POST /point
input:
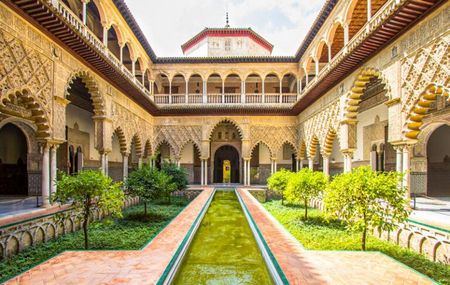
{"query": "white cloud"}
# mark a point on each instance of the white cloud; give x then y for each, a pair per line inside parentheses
(168, 24)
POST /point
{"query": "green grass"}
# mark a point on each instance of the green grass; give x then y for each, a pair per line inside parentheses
(131, 232)
(319, 234)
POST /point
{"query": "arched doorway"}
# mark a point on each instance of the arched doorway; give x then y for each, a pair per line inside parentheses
(438, 162)
(225, 157)
(13, 161)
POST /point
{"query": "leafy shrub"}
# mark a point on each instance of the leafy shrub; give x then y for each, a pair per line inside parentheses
(144, 183)
(87, 190)
(277, 182)
(178, 175)
(304, 185)
(365, 199)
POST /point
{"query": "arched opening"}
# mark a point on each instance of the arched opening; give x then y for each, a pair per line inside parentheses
(226, 165)
(115, 159)
(337, 39)
(310, 69)
(163, 154)
(126, 57)
(232, 90)
(315, 155)
(253, 89)
(190, 161)
(336, 159)
(286, 157)
(138, 72)
(13, 161)
(78, 152)
(260, 164)
(135, 153)
(162, 89)
(289, 88)
(225, 133)
(195, 88)
(438, 162)
(146, 79)
(113, 42)
(93, 20)
(271, 88)
(178, 89)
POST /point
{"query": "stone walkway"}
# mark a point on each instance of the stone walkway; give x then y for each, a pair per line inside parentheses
(117, 267)
(327, 267)
(146, 266)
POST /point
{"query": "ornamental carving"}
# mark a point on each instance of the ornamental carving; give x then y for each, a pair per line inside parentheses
(23, 68)
(426, 66)
(177, 137)
(273, 137)
(320, 124)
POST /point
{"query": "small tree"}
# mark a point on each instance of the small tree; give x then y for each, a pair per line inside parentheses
(277, 182)
(178, 175)
(166, 185)
(365, 199)
(305, 185)
(87, 190)
(144, 183)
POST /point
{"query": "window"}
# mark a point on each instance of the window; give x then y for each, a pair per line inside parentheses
(228, 45)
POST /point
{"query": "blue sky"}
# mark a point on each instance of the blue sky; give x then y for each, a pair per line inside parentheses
(169, 23)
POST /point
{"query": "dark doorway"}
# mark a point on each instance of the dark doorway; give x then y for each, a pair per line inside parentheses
(13, 161)
(226, 152)
(438, 160)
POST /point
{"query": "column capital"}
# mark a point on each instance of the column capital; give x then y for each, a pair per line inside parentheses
(125, 153)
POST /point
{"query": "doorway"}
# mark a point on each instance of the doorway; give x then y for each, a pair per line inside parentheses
(226, 156)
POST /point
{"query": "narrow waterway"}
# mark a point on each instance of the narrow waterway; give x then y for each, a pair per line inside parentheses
(224, 250)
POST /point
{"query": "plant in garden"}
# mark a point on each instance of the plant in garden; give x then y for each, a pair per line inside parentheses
(304, 185)
(178, 174)
(144, 183)
(87, 190)
(365, 199)
(277, 182)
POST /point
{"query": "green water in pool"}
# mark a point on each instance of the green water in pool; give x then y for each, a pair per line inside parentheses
(223, 250)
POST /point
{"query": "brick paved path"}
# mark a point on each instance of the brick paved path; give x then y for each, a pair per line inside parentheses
(327, 267)
(147, 265)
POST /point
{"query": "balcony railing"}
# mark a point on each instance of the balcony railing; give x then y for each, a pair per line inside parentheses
(226, 98)
(78, 25)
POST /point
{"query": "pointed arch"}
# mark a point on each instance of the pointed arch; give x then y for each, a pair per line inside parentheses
(288, 142)
(420, 109)
(165, 141)
(122, 139)
(136, 140)
(184, 144)
(212, 128)
(302, 150)
(359, 86)
(327, 145)
(37, 111)
(253, 147)
(147, 149)
(312, 148)
(98, 102)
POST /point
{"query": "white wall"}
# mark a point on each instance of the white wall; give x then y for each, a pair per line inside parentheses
(367, 118)
(187, 154)
(85, 123)
(439, 144)
(115, 155)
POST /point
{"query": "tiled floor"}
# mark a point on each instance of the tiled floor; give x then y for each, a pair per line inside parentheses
(117, 267)
(146, 266)
(327, 267)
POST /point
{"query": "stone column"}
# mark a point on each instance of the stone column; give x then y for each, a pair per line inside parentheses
(245, 173)
(205, 99)
(84, 15)
(202, 172)
(301, 164)
(140, 162)
(316, 67)
(133, 67)
(170, 92)
(104, 162)
(348, 156)
(249, 177)
(311, 163)
(53, 169)
(281, 90)
(329, 52)
(206, 172)
(326, 165)
(406, 169)
(125, 165)
(105, 36)
(369, 10)
(263, 91)
(373, 160)
(187, 92)
(346, 33)
(121, 52)
(45, 176)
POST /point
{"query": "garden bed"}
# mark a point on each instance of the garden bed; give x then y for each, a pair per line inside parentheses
(319, 234)
(132, 232)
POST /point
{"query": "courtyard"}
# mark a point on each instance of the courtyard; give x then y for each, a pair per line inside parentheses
(225, 142)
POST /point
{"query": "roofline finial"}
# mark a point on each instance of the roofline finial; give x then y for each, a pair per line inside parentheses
(227, 23)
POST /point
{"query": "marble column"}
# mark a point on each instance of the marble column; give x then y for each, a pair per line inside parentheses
(406, 169)
(53, 169)
(45, 176)
(125, 166)
(326, 165)
(206, 172)
(311, 163)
